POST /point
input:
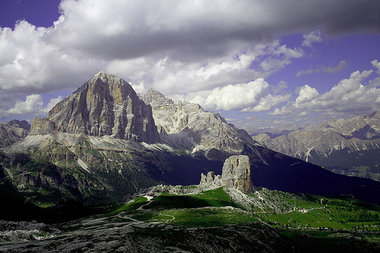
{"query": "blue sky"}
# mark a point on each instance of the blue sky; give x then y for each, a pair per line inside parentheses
(258, 63)
(37, 12)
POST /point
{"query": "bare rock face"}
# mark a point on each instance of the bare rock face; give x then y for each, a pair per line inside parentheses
(41, 126)
(359, 133)
(203, 179)
(105, 105)
(236, 173)
(11, 133)
(19, 123)
(340, 146)
(211, 179)
(188, 125)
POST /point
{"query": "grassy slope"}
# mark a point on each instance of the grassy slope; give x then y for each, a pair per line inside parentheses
(193, 210)
(327, 213)
(319, 217)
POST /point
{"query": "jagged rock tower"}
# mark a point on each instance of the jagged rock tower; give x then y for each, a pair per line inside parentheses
(236, 174)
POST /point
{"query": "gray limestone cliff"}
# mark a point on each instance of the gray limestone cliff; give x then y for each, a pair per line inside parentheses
(189, 126)
(41, 126)
(236, 174)
(211, 179)
(20, 124)
(355, 134)
(13, 131)
(105, 105)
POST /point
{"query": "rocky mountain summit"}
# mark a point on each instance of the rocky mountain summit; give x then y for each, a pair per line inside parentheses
(349, 147)
(104, 105)
(20, 124)
(236, 174)
(187, 125)
(13, 131)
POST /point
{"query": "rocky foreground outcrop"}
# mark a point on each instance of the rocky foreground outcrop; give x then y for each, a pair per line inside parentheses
(105, 105)
(236, 174)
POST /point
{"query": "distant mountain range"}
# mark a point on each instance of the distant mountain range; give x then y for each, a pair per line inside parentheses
(13, 131)
(349, 147)
(104, 142)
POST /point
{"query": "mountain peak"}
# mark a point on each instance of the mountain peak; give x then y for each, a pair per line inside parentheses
(155, 98)
(19, 123)
(102, 72)
(105, 105)
(102, 83)
(152, 91)
(104, 76)
(188, 126)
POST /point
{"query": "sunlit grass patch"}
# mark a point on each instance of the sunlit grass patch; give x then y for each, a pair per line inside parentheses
(135, 204)
(205, 217)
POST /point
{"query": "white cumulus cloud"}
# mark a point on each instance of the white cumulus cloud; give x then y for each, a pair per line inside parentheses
(306, 94)
(310, 38)
(349, 97)
(176, 77)
(253, 96)
(376, 64)
(33, 104)
(33, 64)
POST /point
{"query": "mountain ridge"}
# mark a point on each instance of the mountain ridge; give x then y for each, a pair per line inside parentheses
(195, 127)
(64, 159)
(13, 131)
(343, 146)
